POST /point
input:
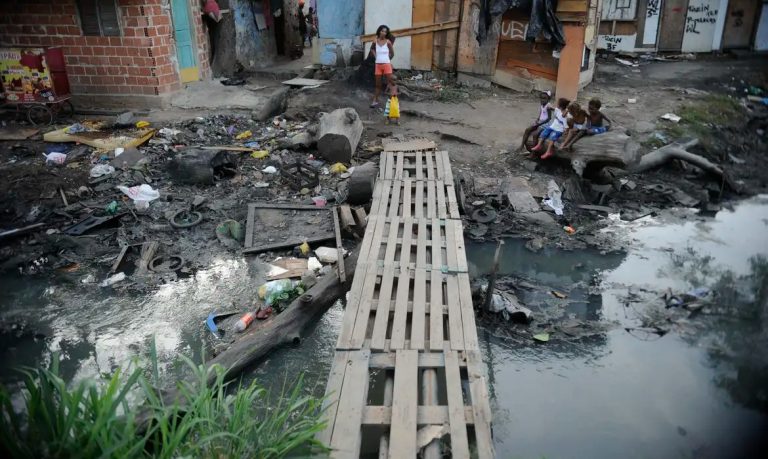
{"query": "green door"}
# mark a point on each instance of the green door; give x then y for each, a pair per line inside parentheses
(185, 47)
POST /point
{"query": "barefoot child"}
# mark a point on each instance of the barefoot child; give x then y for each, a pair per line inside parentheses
(577, 125)
(545, 116)
(597, 123)
(554, 130)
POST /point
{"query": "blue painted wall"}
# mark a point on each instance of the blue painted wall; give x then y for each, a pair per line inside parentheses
(340, 18)
(254, 48)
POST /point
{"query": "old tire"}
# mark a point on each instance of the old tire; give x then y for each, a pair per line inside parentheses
(186, 219)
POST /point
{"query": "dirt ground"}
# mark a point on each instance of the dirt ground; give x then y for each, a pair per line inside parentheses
(481, 129)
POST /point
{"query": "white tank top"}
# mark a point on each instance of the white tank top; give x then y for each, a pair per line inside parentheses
(382, 53)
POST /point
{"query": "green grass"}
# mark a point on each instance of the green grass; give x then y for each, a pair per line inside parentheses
(96, 419)
(699, 118)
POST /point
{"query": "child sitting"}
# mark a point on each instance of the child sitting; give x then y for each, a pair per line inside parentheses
(597, 123)
(545, 116)
(554, 130)
(577, 125)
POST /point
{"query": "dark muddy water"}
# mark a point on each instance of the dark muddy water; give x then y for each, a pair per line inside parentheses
(699, 391)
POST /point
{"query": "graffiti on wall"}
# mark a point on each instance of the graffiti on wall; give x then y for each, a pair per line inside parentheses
(651, 28)
(619, 10)
(698, 15)
(617, 42)
(513, 30)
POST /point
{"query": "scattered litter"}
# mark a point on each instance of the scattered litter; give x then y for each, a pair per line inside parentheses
(269, 170)
(142, 124)
(320, 201)
(671, 117)
(557, 294)
(261, 185)
(626, 62)
(541, 337)
(569, 229)
(140, 195)
(119, 277)
(167, 132)
(279, 290)
(304, 248)
(244, 135)
(55, 158)
(338, 168)
(75, 129)
(244, 322)
(327, 254)
(632, 101)
(554, 200)
(287, 268)
(89, 279)
(260, 154)
(313, 264)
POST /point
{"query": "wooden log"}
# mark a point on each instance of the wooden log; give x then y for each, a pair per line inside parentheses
(338, 134)
(286, 327)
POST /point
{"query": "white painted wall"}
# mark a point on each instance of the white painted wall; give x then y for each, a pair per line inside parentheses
(700, 25)
(652, 15)
(761, 37)
(617, 42)
(722, 12)
(397, 14)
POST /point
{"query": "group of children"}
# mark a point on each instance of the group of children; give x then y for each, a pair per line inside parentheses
(567, 120)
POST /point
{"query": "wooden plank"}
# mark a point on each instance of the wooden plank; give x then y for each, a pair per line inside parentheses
(363, 306)
(384, 201)
(467, 313)
(408, 145)
(386, 360)
(399, 167)
(459, 441)
(431, 200)
(453, 205)
(394, 202)
(339, 247)
(439, 168)
(436, 289)
(347, 435)
(421, 244)
(347, 219)
(419, 166)
(425, 415)
(430, 165)
(419, 311)
(481, 408)
(332, 395)
(421, 45)
(405, 248)
(442, 210)
(455, 325)
(411, 31)
(402, 436)
(399, 322)
(389, 171)
(419, 201)
(381, 321)
(407, 183)
(288, 243)
(249, 226)
(427, 306)
(447, 172)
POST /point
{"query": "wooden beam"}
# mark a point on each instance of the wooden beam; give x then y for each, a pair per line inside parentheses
(416, 30)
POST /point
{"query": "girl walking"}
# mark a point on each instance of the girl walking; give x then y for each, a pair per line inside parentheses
(384, 51)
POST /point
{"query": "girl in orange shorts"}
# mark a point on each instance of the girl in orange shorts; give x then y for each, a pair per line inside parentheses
(384, 51)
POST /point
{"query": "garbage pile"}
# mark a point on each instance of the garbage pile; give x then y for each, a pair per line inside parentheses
(182, 187)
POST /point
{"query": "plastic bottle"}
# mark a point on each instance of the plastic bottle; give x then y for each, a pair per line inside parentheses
(244, 322)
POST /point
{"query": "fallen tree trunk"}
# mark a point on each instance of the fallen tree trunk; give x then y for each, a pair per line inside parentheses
(338, 134)
(677, 151)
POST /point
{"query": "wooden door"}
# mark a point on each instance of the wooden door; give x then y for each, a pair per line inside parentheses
(739, 23)
(672, 25)
(421, 45)
(185, 46)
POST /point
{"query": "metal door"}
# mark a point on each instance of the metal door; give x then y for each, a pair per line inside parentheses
(672, 25)
(739, 23)
(185, 46)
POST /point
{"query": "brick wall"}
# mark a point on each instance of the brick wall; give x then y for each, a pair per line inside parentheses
(140, 62)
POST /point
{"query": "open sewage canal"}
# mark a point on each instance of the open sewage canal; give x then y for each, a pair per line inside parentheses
(621, 376)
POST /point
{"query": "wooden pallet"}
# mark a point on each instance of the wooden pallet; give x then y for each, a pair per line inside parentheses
(415, 198)
(409, 317)
(465, 412)
(416, 165)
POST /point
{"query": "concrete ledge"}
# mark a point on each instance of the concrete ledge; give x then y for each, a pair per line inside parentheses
(472, 80)
(120, 101)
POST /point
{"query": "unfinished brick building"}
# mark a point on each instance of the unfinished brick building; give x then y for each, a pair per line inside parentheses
(118, 52)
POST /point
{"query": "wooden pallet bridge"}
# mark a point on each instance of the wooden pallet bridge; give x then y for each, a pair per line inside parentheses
(407, 375)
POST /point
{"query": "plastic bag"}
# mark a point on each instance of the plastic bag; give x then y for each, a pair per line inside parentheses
(260, 154)
(386, 108)
(554, 198)
(100, 170)
(277, 290)
(141, 195)
(244, 135)
(55, 158)
(394, 107)
(338, 168)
